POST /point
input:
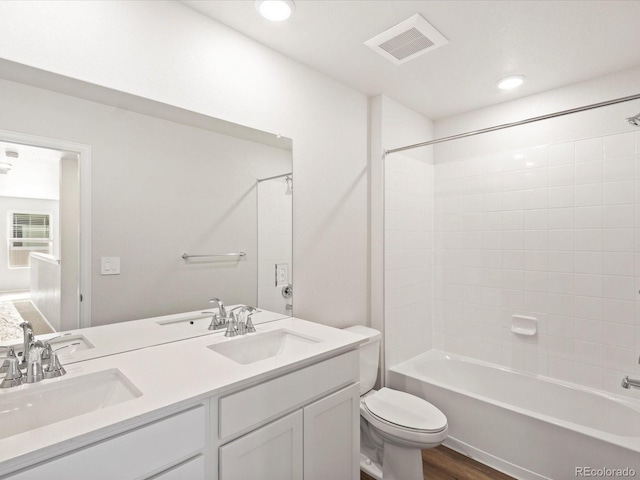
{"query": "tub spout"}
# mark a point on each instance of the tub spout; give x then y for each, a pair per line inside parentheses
(630, 382)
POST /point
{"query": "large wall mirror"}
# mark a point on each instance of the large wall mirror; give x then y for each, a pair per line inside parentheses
(164, 182)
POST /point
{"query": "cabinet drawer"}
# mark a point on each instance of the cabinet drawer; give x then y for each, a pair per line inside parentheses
(132, 455)
(253, 406)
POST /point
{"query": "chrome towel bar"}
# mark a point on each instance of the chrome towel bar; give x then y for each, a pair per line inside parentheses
(187, 256)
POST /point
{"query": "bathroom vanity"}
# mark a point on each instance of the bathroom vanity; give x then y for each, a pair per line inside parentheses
(279, 403)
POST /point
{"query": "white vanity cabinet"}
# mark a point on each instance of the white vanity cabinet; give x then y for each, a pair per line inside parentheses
(167, 449)
(302, 425)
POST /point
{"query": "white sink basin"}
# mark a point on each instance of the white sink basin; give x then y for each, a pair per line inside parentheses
(70, 340)
(34, 406)
(259, 346)
(198, 323)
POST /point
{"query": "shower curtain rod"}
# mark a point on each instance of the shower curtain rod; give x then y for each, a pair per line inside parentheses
(514, 124)
(275, 176)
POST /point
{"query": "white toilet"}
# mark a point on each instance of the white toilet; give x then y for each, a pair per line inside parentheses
(394, 425)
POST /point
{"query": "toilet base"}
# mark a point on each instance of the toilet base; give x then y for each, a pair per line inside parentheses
(401, 463)
(370, 467)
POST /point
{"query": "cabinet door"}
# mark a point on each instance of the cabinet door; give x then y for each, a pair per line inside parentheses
(273, 452)
(332, 436)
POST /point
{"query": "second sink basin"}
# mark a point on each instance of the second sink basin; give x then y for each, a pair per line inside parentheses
(44, 404)
(260, 346)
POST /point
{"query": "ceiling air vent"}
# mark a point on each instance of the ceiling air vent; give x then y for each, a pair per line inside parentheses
(407, 40)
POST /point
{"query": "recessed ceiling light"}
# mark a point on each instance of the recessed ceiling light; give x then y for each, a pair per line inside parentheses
(513, 81)
(275, 10)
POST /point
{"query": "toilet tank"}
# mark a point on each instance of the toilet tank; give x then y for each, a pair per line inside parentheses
(369, 355)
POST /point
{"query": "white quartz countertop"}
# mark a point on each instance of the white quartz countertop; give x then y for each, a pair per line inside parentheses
(169, 376)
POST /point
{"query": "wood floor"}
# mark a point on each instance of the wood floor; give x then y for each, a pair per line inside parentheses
(442, 463)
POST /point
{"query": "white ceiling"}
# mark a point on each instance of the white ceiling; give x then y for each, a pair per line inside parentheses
(553, 43)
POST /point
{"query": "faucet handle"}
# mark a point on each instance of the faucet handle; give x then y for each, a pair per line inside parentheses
(251, 311)
(34, 364)
(54, 368)
(7, 362)
(13, 378)
(232, 330)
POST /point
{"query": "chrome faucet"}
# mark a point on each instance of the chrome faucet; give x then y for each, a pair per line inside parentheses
(220, 319)
(28, 340)
(630, 382)
(239, 325)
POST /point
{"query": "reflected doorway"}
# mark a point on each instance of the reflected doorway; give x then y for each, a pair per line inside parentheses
(40, 218)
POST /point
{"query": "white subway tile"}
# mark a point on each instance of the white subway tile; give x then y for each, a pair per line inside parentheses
(561, 218)
(616, 193)
(538, 198)
(589, 172)
(562, 175)
(536, 178)
(535, 260)
(588, 307)
(561, 261)
(619, 216)
(492, 220)
(619, 145)
(535, 157)
(618, 240)
(512, 240)
(616, 286)
(619, 263)
(561, 283)
(623, 168)
(535, 239)
(589, 240)
(512, 220)
(513, 259)
(588, 195)
(618, 334)
(491, 164)
(561, 153)
(536, 281)
(513, 161)
(588, 262)
(561, 196)
(589, 149)
(560, 240)
(535, 219)
(513, 180)
(588, 285)
(472, 167)
(492, 183)
(513, 200)
(620, 311)
(589, 217)
(491, 202)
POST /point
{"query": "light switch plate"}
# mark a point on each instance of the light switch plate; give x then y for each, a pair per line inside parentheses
(110, 266)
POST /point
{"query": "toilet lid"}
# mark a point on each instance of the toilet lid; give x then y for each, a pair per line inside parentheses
(405, 410)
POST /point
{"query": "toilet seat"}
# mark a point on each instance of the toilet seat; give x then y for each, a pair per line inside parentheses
(404, 418)
(405, 411)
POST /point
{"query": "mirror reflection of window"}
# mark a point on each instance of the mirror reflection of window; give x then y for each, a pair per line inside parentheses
(29, 232)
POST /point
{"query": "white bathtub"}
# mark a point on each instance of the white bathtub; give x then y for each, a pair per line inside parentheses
(528, 426)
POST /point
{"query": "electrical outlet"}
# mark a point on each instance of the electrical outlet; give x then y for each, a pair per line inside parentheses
(282, 274)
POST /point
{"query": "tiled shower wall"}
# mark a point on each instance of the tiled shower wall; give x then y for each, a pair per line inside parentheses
(408, 257)
(551, 232)
(274, 243)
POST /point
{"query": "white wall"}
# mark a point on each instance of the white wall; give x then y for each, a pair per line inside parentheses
(167, 52)
(541, 220)
(401, 230)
